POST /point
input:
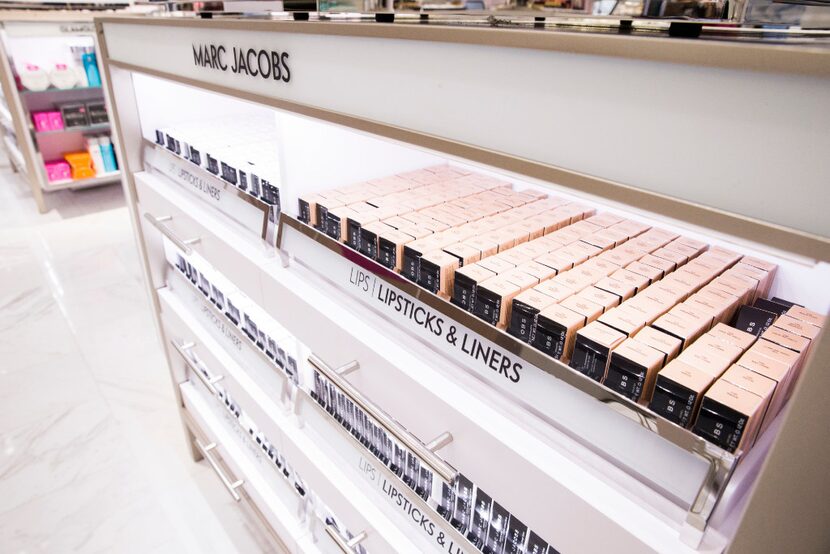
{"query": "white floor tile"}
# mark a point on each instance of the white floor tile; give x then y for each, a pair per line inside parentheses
(92, 452)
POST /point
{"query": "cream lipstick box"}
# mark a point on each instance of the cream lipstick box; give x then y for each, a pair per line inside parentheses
(633, 369)
(592, 349)
(526, 307)
(556, 329)
(678, 391)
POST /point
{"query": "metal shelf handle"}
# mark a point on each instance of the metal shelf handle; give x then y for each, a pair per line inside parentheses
(230, 486)
(347, 546)
(208, 383)
(425, 453)
(158, 223)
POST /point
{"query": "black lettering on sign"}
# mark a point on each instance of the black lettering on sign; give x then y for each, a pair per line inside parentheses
(253, 62)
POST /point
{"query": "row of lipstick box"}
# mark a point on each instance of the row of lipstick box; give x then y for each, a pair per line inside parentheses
(562, 279)
(487, 525)
(247, 167)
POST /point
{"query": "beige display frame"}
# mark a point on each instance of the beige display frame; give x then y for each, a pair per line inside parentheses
(798, 449)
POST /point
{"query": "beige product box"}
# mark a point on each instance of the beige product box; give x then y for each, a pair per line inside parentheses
(667, 344)
(699, 246)
(778, 353)
(600, 297)
(645, 243)
(555, 290)
(673, 256)
(711, 355)
(752, 382)
(577, 256)
(622, 290)
(764, 278)
(465, 284)
(771, 369)
(413, 231)
(635, 280)
(540, 271)
(534, 248)
(592, 349)
(633, 369)
(784, 338)
(437, 271)
(604, 219)
(556, 261)
(663, 234)
(807, 316)
(524, 311)
(667, 292)
(695, 314)
(750, 282)
(687, 281)
(486, 247)
(711, 304)
(653, 273)
(465, 253)
(797, 327)
(600, 240)
(390, 248)
(503, 239)
(566, 235)
(556, 329)
(617, 236)
(624, 320)
(736, 337)
(685, 329)
(678, 392)
(493, 300)
(587, 249)
(688, 251)
(550, 221)
(514, 256)
(354, 223)
(518, 232)
(496, 265)
(623, 255)
(578, 278)
(649, 306)
(336, 222)
(580, 229)
(730, 416)
(630, 227)
(702, 269)
(728, 257)
(519, 277)
(602, 267)
(589, 310)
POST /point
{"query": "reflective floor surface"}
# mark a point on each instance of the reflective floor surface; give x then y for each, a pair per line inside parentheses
(92, 453)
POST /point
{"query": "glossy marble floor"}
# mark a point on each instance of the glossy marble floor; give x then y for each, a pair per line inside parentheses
(92, 454)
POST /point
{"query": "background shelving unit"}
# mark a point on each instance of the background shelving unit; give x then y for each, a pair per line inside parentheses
(29, 150)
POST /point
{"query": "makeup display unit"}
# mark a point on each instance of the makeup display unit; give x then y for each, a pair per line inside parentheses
(395, 324)
(56, 122)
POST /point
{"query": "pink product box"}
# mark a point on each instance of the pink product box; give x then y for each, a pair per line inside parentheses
(47, 121)
(58, 170)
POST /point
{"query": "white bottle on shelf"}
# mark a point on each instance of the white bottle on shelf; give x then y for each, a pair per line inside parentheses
(93, 146)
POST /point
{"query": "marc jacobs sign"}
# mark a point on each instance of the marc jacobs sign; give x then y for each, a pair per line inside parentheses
(253, 62)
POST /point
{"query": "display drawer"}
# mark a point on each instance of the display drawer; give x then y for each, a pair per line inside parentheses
(165, 210)
(244, 471)
(543, 477)
(193, 326)
(280, 428)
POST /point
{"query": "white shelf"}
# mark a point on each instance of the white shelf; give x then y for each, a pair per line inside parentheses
(104, 179)
(83, 129)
